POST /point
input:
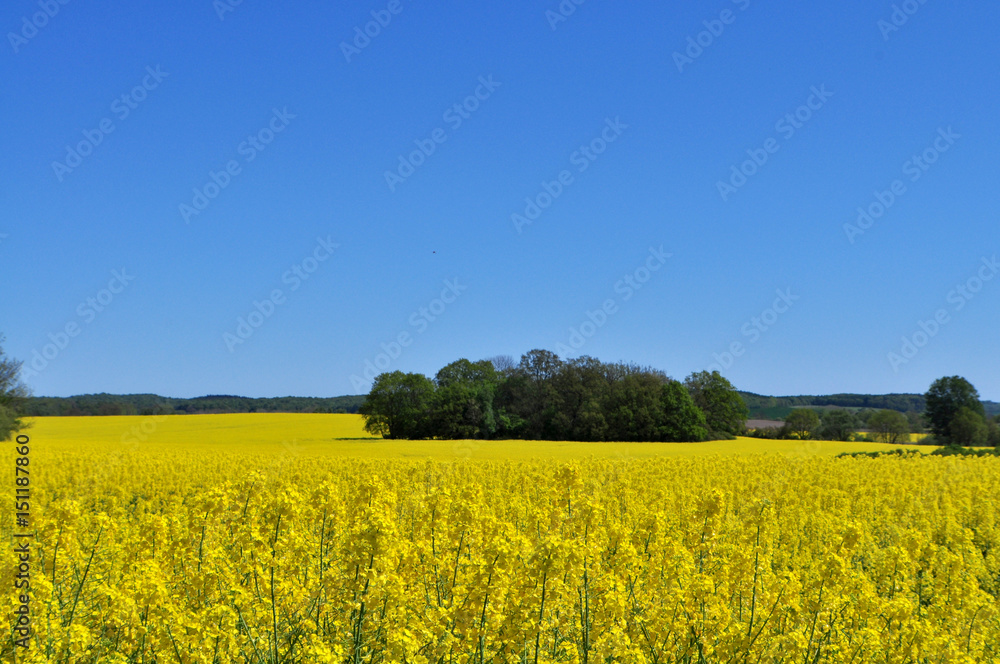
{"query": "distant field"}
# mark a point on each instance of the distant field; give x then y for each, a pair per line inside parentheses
(344, 436)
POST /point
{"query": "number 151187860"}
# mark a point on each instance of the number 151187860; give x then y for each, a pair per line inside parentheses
(22, 482)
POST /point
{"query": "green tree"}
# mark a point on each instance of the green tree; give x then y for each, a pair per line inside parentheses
(584, 391)
(535, 398)
(399, 406)
(993, 432)
(968, 428)
(803, 422)
(683, 421)
(507, 404)
(13, 394)
(837, 425)
(724, 408)
(890, 426)
(945, 398)
(463, 400)
(540, 365)
(634, 408)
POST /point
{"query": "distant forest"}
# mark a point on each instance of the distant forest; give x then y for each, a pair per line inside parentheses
(761, 407)
(152, 404)
(778, 408)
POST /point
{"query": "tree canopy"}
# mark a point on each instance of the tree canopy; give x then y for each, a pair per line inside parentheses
(724, 408)
(889, 426)
(838, 425)
(946, 399)
(463, 400)
(968, 428)
(399, 406)
(803, 422)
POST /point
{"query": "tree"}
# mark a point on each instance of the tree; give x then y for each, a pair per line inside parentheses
(634, 408)
(463, 400)
(683, 421)
(540, 365)
(724, 408)
(584, 392)
(968, 428)
(399, 406)
(803, 422)
(945, 398)
(504, 364)
(13, 394)
(993, 432)
(837, 425)
(890, 426)
(534, 397)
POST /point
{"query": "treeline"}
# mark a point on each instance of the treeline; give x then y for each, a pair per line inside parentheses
(765, 407)
(953, 414)
(152, 404)
(885, 426)
(543, 397)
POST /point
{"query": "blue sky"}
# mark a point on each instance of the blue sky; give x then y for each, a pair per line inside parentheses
(281, 123)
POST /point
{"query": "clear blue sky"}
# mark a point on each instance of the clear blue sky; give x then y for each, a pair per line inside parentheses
(609, 71)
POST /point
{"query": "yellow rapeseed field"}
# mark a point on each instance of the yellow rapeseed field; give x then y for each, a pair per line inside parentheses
(264, 539)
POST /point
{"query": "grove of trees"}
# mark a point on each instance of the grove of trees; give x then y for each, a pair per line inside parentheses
(543, 397)
(887, 426)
